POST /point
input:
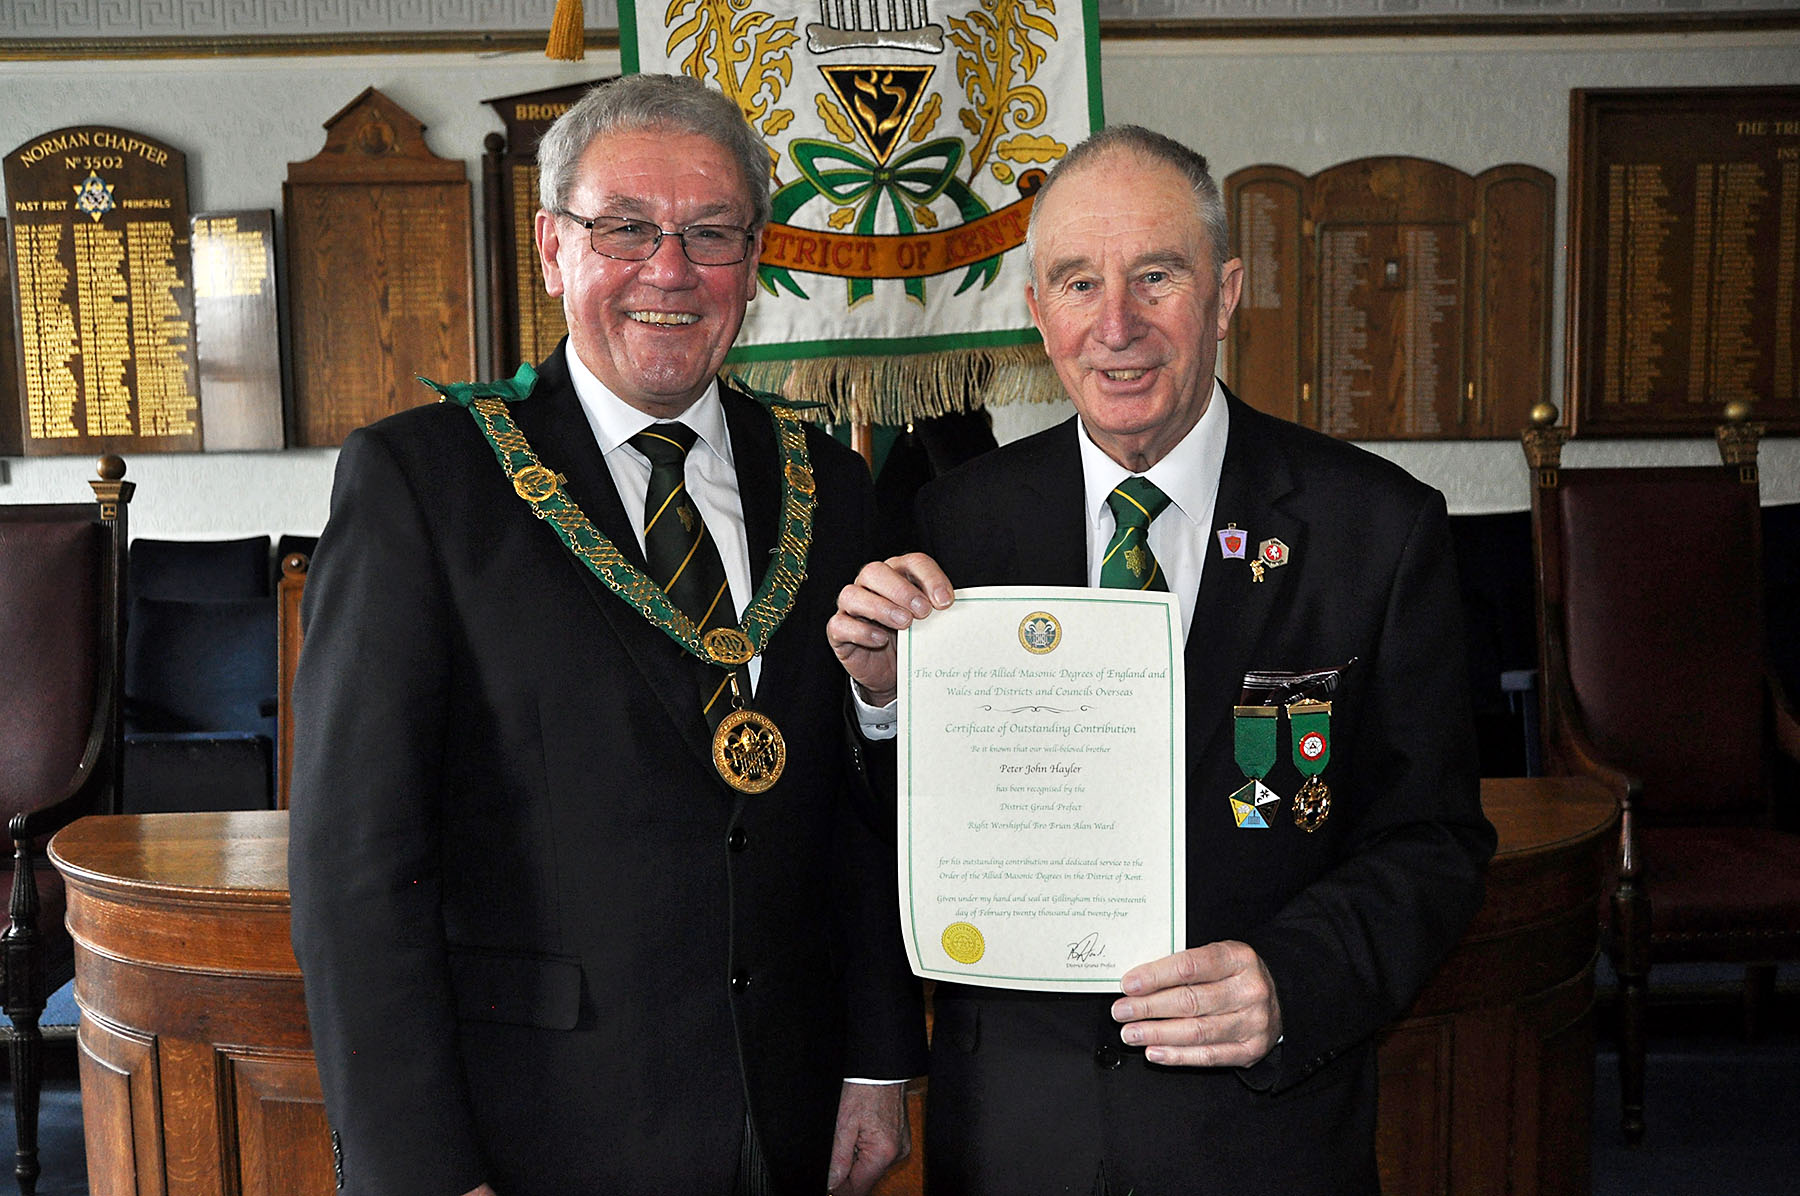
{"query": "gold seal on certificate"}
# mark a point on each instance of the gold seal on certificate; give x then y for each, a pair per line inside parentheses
(1042, 796)
(963, 943)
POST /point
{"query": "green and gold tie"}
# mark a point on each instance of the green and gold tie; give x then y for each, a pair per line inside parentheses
(682, 558)
(1129, 564)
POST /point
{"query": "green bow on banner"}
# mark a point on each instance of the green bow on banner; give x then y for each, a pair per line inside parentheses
(918, 177)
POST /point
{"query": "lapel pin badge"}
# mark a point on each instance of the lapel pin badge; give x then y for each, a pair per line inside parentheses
(1232, 542)
(1270, 554)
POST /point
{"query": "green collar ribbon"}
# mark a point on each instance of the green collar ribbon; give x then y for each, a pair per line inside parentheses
(544, 490)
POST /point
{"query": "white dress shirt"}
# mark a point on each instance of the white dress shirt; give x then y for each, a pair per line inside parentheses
(711, 473)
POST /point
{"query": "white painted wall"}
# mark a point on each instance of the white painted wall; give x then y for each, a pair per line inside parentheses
(1306, 104)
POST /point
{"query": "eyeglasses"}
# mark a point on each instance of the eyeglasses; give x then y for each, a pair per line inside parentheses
(638, 240)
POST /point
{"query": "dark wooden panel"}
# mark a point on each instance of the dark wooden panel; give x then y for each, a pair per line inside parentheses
(1510, 321)
(525, 322)
(380, 272)
(1266, 348)
(1684, 271)
(283, 1137)
(120, 1091)
(1393, 298)
(1415, 1094)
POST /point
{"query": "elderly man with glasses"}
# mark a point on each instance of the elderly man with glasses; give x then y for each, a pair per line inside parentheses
(585, 894)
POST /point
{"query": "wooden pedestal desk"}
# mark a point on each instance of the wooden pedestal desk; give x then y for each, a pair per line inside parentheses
(197, 1074)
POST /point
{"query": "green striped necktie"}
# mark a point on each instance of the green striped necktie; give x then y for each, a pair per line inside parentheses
(683, 559)
(1129, 564)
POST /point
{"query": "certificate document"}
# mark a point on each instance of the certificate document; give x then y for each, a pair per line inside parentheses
(1042, 820)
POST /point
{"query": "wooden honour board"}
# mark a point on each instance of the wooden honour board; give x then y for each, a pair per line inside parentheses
(1393, 298)
(103, 296)
(524, 322)
(1684, 206)
(380, 272)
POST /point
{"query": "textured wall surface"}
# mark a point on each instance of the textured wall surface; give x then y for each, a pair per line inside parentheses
(262, 18)
(1303, 103)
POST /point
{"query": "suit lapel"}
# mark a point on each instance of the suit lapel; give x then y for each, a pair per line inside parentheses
(755, 454)
(553, 421)
(1233, 608)
(1045, 528)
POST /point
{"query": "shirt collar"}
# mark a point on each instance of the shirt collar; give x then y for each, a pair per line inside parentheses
(1189, 474)
(614, 421)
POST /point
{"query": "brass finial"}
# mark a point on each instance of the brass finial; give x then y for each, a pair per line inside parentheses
(1737, 438)
(1543, 442)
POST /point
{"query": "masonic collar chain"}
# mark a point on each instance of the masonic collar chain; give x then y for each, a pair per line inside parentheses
(747, 747)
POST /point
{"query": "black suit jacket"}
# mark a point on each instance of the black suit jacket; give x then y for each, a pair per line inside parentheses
(544, 944)
(1033, 1093)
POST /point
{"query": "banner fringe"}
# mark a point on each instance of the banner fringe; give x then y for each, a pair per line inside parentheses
(899, 389)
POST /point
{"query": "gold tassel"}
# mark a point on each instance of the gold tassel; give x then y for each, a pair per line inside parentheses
(567, 35)
(893, 390)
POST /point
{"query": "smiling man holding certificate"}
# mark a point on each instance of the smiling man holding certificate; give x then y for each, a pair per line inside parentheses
(1300, 740)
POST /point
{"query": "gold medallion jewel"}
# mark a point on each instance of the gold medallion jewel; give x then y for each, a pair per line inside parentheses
(1312, 804)
(534, 483)
(963, 943)
(748, 751)
(728, 646)
(1039, 632)
(800, 477)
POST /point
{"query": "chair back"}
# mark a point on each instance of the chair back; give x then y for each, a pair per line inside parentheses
(53, 646)
(1651, 625)
(289, 590)
(200, 570)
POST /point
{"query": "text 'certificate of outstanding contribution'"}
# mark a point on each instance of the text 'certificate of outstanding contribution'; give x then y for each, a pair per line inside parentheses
(1042, 816)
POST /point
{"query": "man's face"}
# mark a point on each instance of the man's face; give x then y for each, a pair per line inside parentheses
(1131, 309)
(655, 332)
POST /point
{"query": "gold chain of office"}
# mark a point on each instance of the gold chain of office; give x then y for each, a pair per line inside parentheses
(726, 647)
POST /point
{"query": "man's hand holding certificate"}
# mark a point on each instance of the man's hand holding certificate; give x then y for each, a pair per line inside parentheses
(1041, 766)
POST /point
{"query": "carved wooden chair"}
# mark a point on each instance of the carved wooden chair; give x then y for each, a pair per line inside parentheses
(288, 592)
(62, 585)
(1655, 677)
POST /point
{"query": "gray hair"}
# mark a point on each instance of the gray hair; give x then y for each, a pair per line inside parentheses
(664, 103)
(1144, 143)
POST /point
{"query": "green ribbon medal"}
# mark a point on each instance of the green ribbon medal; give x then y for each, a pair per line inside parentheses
(1311, 723)
(748, 750)
(1253, 733)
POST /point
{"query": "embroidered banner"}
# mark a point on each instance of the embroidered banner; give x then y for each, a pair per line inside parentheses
(907, 140)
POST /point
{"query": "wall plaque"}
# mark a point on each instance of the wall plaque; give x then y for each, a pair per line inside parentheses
(1684, 204)
(236, 317)
(103, 294)
(380, 271)
(10, 441)
(524, 323)
(1393, 298)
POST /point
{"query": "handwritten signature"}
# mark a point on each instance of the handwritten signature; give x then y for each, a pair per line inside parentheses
(1087, 948)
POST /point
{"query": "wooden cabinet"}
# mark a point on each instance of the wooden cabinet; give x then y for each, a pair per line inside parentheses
(197, 1074)
(1487, 1086)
